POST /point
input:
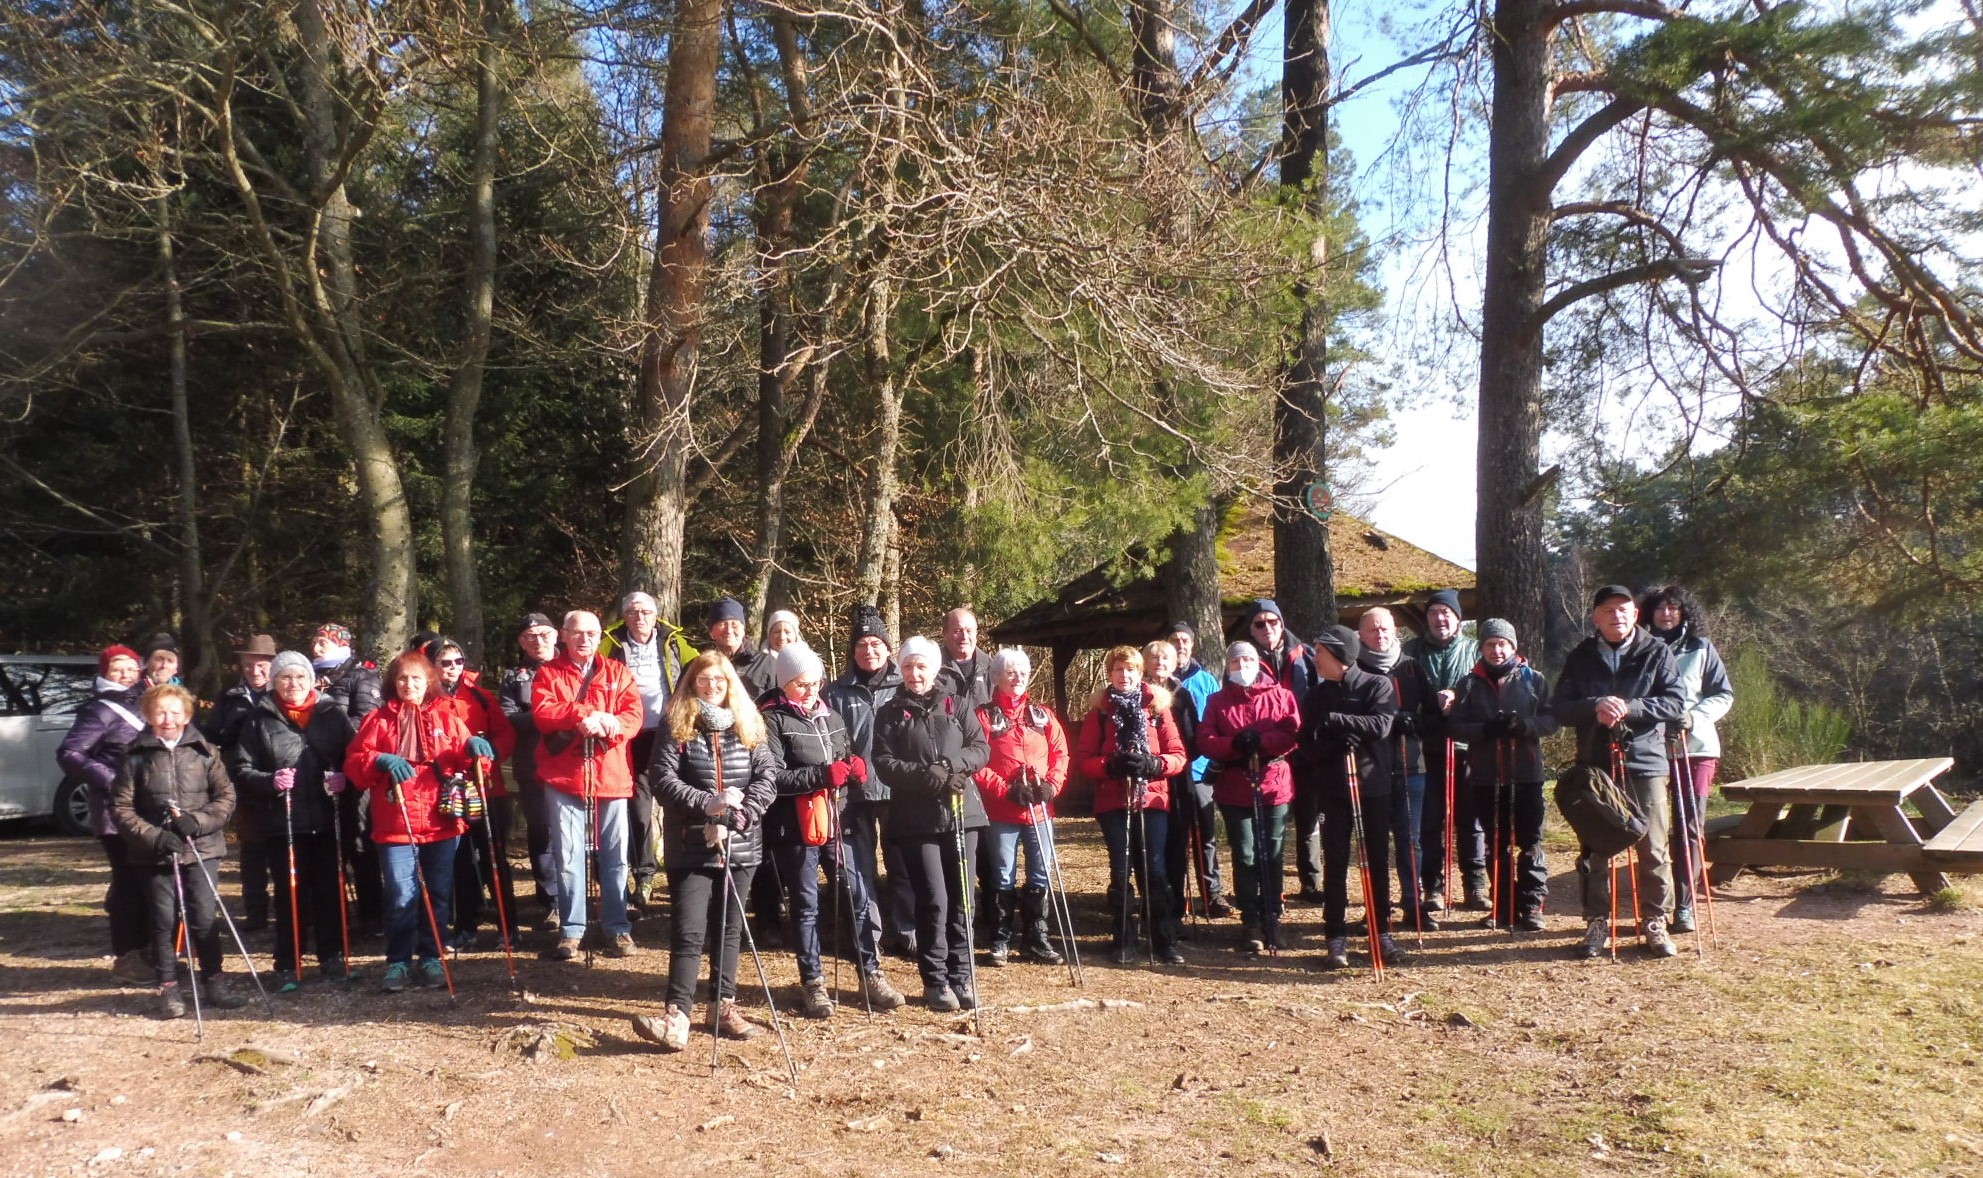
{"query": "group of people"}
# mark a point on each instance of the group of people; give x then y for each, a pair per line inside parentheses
(899, 795)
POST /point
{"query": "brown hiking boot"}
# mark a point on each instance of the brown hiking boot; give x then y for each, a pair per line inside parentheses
(565, 950)
(620, 946)
(881, 995)
(731, 1023)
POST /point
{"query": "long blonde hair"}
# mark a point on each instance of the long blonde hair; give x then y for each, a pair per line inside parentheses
(684, 714)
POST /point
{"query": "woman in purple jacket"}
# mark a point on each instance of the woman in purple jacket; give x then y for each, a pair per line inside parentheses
(91, 753)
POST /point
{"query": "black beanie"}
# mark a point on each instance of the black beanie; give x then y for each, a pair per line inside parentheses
(868, 624)
(1450, 598)
(1342, 643)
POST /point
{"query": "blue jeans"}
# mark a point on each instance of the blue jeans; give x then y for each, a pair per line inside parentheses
(568, 854)
(1131, 857)
(1005, 841)
(1407, 814)
(408, 931)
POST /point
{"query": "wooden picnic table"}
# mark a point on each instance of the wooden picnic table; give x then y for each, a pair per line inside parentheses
(1852, 817)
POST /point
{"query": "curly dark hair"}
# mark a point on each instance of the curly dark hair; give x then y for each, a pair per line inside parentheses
(1691, 613)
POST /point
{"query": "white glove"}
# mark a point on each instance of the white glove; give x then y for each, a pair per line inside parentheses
(717, 836)
(733, 798)
(718, 803)
(603, 725)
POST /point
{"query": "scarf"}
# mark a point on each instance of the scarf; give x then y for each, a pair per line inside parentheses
(412, 742)
(1673, 638)
(1380, 661)
(338, 656)
(300, 714)
(1501, 672)
(1132, 732)
(713, 718)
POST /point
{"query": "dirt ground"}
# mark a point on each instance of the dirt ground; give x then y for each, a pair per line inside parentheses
(1835, 1030)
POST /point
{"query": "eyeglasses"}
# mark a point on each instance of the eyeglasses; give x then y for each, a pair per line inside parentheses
(712, 677)
(454, 662)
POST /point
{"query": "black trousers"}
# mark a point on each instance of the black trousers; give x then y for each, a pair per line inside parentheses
(316, 898)
(1191, 811)
(642, 863)
(1467, 850)
(255, 879)
(1518, 874)
(698, 903)
(473, 863)
(1339, 857)
(361, 861)
(126, 900)
(162, 899)
(537, 823)
(1308, 809)
(939, 880)
(862, 824)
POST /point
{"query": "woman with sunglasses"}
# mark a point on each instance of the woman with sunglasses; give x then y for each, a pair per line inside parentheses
(483, 714)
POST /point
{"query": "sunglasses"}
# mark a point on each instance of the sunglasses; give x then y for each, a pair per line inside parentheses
(454, 662)
(1263, 623)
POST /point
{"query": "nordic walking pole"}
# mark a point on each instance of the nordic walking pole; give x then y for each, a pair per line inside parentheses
(1686, 864)
(964, 884)
(589, 775)
(496, 864)
(343, 882)
(1371, 917)
(1505, 826)
(778, 1025)
(840, 880)
(1700, 809)
(426, 897)
(1057, 899)
(1140, 870)
(1447, 826)
(1270, 922)
(213, 889)
(295, 925)
(193, 974)
(722, 935)
(1411, 836)
(1494, 882)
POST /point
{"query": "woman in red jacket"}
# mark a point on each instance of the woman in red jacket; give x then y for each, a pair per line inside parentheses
(1028, 767)
(1130, 744)
(1251, 721)
(403, 754)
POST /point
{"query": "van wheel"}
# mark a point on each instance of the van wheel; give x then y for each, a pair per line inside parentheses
(72, 808)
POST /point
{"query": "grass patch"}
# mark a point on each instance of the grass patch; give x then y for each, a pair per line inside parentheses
(1949, 899)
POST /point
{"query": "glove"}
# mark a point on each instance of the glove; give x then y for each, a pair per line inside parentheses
(1406, 724)
(716, 836)
(1150, 768)
(335, 783)
(285, 780)
(394, 766)
(183, 823)
(857, 770)
(1120, 766)
(936, 775)
(603, 725)
(957, 783)
(716, 805)
(480, 748)
(1246, 743)
(169, 843)
(837, 774)
(737, 818)
(1517, 727)
(1687, 722)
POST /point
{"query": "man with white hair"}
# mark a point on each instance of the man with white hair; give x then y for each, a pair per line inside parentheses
(655, 652)
(588, 710)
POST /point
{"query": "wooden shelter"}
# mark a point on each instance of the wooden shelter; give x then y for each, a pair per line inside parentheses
(1373, 568)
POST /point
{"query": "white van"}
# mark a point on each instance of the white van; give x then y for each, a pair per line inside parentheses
(39, 697)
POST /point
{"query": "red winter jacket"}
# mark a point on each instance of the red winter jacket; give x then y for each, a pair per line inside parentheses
(556, 703)
(479, 710)
(442, 735)
(1022, 735)
(1267, 708)
(1098, 745)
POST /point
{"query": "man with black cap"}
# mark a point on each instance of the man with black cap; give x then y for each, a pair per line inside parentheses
(757, 668)
(1192, 806)
(1290, 662)
(1446, 655)
(222, 726)
(1348, 713)
(1620, 688)
(537, 640)
(871, 681)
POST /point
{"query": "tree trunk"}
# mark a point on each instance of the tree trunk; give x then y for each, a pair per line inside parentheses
(1304, 568)
(197, 654)
(1191, 580)
(877, 359)
(465, 395)
(1508, 526)
(657, 505)
(389, 618)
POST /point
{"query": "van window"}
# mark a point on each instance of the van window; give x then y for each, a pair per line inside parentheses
(30, 689)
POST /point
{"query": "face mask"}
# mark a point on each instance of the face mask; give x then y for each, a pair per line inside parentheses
(1244, 674)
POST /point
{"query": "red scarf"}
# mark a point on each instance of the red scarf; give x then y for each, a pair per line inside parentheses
(300, 714)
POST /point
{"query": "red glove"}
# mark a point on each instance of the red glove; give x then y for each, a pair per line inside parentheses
(836, 774)
(857, 769)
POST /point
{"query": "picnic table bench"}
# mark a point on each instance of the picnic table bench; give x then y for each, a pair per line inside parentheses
(1852, 817)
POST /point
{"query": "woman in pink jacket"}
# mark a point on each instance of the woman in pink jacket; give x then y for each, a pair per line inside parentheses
(1251, 724)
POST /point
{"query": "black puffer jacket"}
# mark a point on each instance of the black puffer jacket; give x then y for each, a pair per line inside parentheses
(1646, 679)
(223, 723)
(856, 702)
(1353, 714)
(685, 776)
(1523, 691)
(268, 741)
(801, 748)
(354, 685)
(154, 779)
(909, 735)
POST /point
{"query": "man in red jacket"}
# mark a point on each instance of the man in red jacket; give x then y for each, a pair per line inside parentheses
(588, 710)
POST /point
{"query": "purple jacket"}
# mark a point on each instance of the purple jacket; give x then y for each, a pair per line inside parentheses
(94, 748)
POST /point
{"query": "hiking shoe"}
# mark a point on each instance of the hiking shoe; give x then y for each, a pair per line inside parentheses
(881, 995)
(731, 1023)
(903, 947)
(669, 1031)
(1393, 952)
(643, 892)
(399, 975)
(1426, 922)
(1220, 908)
(465, 941)
(1597, 937)
(433, 974)
(815, 1002)
(1251, 937)
(1435, 900)
(1309, 896)
(998, 955)
(1337, 956)
(940, 999)
(1123, 954)
(1476, 897)
(1169, 955)
(336, 969)
(132, 967)
(1682, 922)
(551, 923)
(565, 950)
(966, 1000)
(620, 946)
(1656, 939)
(1529, 922)
(171, 1001)
(219, 992)
(286, 981)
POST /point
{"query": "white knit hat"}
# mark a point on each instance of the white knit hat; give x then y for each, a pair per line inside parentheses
(796, 660)
(919, 647)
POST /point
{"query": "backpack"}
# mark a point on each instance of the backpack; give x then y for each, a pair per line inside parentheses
(1605, 818)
